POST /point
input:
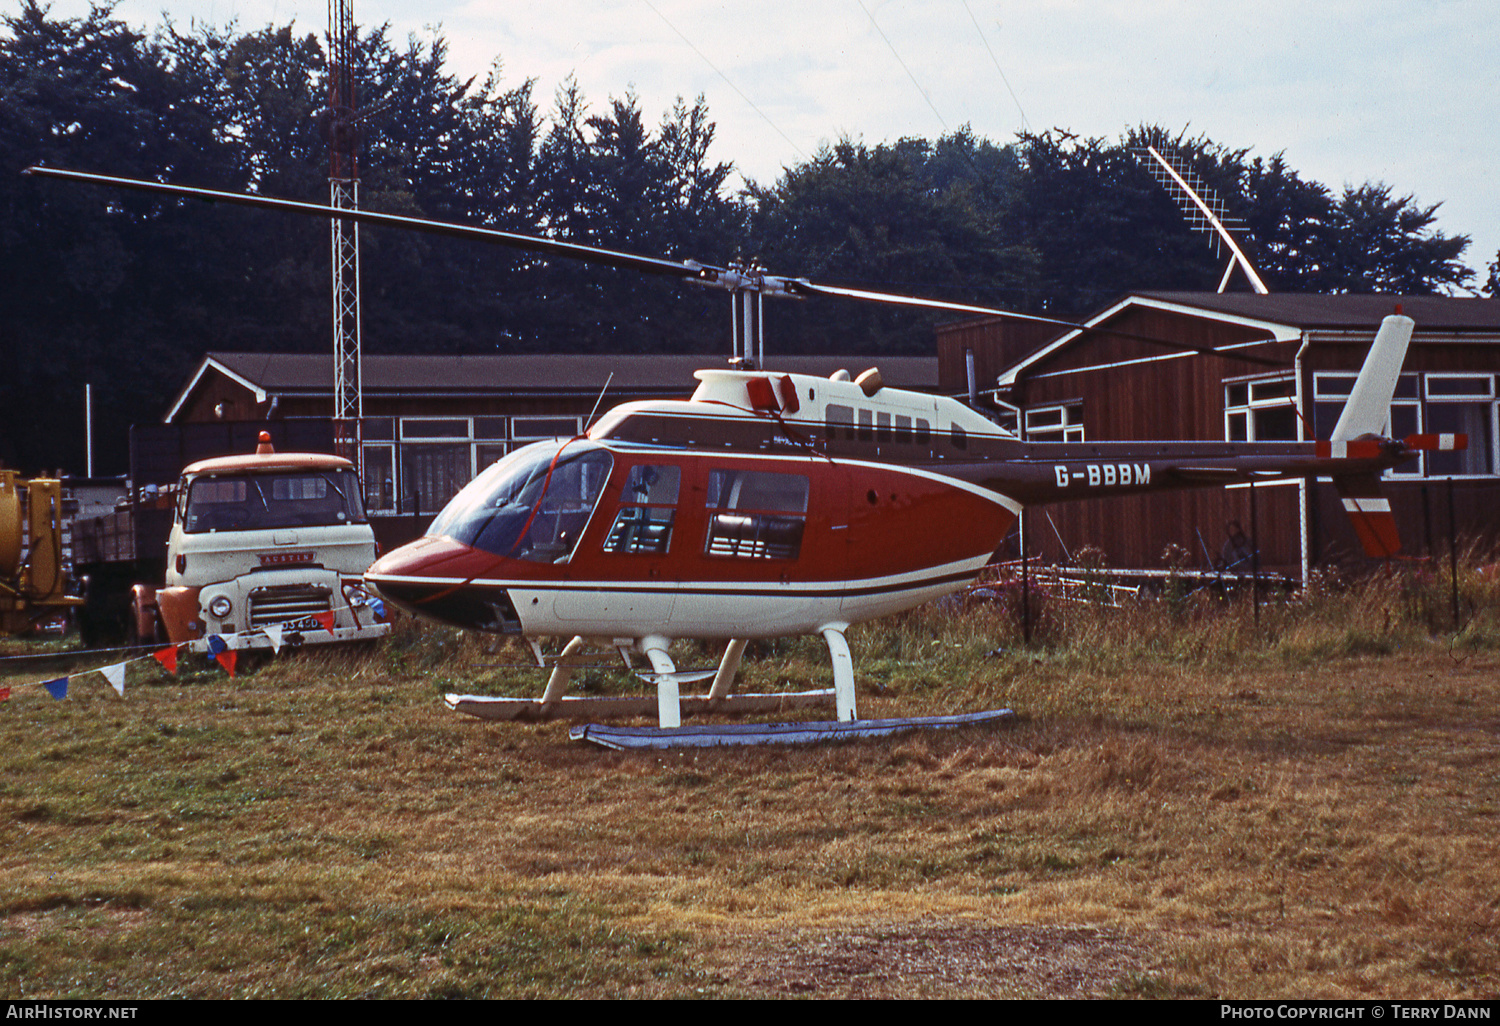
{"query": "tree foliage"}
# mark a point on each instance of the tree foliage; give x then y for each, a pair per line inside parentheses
(128, 292)
(912, 217)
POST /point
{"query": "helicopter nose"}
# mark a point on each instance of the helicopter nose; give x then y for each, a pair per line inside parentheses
(419, 569)
(421, 558)
(434, 577)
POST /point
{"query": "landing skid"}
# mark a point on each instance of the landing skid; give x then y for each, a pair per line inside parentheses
(716, 735)
(585, 707)
(669, 705)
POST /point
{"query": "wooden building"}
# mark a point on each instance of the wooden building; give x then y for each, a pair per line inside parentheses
(1103, 386)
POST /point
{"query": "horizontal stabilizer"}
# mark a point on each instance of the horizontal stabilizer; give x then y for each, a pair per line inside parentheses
(1356, 449)
(1436, 443)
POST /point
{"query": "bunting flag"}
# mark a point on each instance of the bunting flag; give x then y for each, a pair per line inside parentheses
(168, 658)
(4, 694)
(221, 649)
(116, 676)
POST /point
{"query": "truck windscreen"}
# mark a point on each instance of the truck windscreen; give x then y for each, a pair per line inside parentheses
(254, 502)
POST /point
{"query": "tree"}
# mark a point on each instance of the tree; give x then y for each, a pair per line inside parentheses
(91, 280)
(910, 217)
(1381, 244)
(1099, 224)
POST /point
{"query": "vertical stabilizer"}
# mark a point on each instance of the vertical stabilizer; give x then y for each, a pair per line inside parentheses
(1370, 401)
(1366, 414)
(1370, 513)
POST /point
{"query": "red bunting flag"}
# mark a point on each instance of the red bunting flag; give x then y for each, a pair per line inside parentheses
(325, 618)
(227, 659)
(4, 694)
(168, 658)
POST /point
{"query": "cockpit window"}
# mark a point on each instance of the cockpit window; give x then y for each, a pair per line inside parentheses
(532, 505)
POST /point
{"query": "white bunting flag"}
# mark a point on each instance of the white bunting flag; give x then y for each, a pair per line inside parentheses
(116, 676)
(273, 631)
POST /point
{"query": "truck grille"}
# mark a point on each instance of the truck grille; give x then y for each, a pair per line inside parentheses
(281, 604)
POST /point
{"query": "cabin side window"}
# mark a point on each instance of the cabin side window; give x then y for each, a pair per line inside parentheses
(648, 508)
(756, 514)
(840, 421)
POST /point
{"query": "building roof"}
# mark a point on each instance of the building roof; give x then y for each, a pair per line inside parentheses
(311, 374)
(1302, 310)
(1285, 316)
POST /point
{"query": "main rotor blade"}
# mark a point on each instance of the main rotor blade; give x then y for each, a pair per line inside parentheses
(531, 243)
(800, 285)
(687, 270)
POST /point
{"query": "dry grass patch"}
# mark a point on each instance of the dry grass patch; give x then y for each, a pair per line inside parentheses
(1186, 807)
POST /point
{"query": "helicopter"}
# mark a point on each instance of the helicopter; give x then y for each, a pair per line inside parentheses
(776, 504)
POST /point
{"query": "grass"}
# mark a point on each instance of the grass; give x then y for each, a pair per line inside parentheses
(1195, 802)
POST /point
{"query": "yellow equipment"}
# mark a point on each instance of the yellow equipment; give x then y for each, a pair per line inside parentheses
(33, 588)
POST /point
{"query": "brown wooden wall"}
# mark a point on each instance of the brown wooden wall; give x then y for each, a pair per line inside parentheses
(996, 345)
(1134, 530)
(1183, 399)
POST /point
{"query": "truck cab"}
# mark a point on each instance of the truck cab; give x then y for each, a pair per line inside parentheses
(269, 541)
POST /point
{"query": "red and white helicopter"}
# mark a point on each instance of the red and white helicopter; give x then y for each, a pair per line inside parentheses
(774, 504)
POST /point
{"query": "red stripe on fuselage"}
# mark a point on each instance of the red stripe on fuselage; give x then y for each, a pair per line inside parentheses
(862, 522)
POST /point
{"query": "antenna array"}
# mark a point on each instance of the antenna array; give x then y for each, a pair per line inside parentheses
(1204, 209)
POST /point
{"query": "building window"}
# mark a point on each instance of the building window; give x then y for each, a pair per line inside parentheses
(380, 478)
(1462, 404)
(1261, 410)
(1441, 403)
(416, 464)
(1331, 393)
(533, 429)
(1061, 423)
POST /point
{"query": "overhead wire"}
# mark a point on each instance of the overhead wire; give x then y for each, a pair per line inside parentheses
(764, 116)
(904, 68)
(1025, 126)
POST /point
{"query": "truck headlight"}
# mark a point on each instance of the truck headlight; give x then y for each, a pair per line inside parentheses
(220, 606)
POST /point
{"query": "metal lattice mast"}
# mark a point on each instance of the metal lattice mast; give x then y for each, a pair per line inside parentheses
(343, 189)
(1204, 210)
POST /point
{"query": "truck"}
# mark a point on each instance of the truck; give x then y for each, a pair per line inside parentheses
(261, 546)
(33, 578)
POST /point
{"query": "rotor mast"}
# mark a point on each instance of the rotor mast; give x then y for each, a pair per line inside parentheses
(343, 192)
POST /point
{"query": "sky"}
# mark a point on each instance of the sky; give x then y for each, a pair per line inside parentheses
(1400, 92)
